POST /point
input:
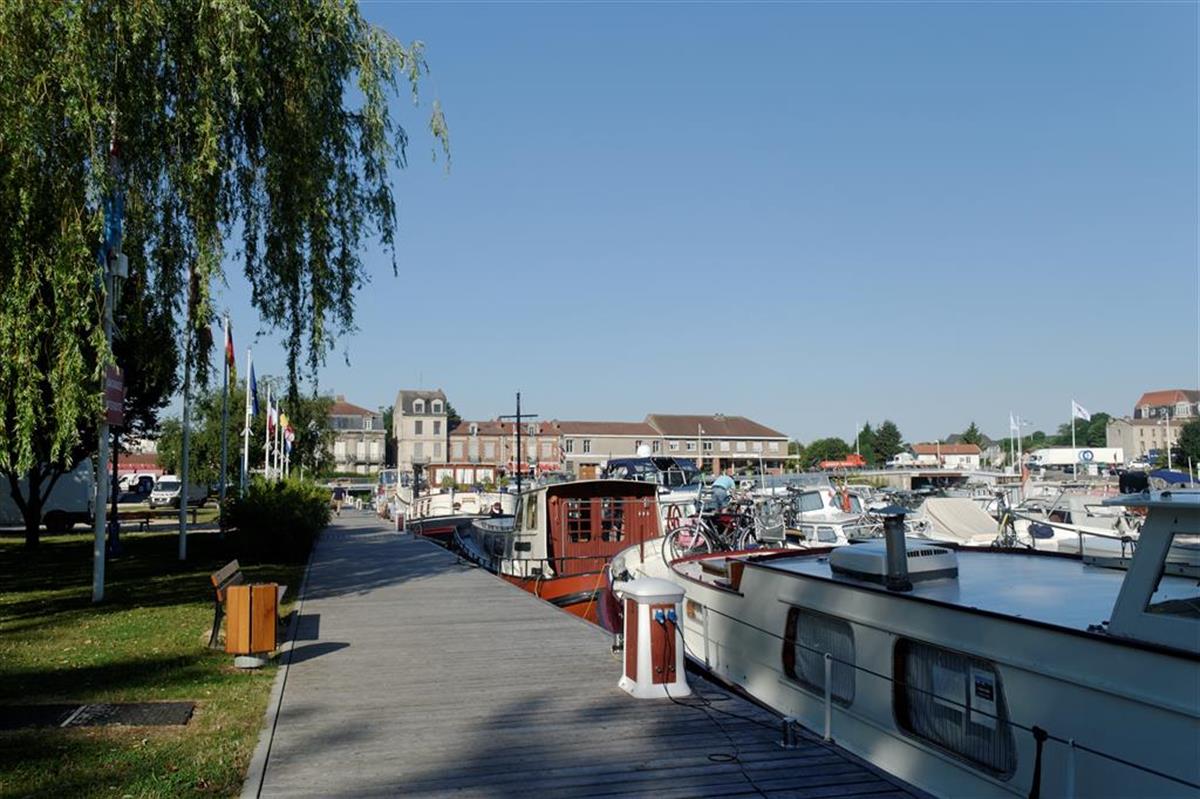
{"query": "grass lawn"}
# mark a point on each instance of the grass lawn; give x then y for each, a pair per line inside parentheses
(145, 642)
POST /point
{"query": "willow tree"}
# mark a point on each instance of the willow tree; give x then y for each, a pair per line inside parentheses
(251, 132)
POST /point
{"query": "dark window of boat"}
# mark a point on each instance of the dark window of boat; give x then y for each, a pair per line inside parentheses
(808, 636)
(1178, 597)
(955, 702)
(612, 519)
(579, 520)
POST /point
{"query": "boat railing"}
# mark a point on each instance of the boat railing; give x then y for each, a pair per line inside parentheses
(1040, 735)
(557, 564)
(1125, 540)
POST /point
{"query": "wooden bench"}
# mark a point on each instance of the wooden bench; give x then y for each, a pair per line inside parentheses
(229, 575)
(144, 517)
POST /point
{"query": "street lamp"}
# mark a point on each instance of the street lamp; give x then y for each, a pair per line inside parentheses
(1167, 421)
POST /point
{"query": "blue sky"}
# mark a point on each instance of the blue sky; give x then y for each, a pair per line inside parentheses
(809, 214)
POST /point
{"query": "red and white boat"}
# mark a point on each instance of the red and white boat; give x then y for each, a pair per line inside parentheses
(561, 537)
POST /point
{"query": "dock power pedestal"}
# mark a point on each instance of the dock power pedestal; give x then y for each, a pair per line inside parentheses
(654, 665)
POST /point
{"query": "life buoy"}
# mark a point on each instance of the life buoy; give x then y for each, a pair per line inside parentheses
(845, 501)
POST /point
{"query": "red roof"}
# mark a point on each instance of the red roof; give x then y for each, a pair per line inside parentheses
(946, 449)
(1168, 397)
(715, 425)
(343, 408)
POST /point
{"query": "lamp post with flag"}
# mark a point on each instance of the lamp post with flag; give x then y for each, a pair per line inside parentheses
(226, 371)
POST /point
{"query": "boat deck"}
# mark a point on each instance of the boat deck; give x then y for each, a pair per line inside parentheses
(1054, 590)
(413, 674)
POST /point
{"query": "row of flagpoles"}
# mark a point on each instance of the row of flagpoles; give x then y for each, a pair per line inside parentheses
(279, 436)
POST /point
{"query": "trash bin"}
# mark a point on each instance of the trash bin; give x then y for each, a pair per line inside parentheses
(251, 627)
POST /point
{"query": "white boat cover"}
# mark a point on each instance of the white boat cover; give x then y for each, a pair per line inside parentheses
(957, 519)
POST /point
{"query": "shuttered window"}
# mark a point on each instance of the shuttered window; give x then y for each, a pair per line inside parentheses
(808, 637)
(955, 702)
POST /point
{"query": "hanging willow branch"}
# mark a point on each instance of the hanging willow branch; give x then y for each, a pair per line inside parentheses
(261, 122)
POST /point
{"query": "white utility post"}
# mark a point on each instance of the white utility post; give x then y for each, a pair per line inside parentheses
(187, 415)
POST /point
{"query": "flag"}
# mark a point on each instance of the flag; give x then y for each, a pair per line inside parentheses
(1012, 423)
(270, 420)
(1080, 412)
(229, 357)
(253, 392)
(283, 421)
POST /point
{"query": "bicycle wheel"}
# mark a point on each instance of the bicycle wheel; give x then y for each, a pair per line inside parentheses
(746, 539)
(684, 541)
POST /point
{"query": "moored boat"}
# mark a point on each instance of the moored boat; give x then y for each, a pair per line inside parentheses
(559, 540)
(967, 672)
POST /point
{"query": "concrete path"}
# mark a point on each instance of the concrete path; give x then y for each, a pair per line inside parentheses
(413, 674)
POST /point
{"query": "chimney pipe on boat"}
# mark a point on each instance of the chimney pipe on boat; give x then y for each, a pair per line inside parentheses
(897, 551)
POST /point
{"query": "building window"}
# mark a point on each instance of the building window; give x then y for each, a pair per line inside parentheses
(437, 449)
(656, 446)
(489, 449)
(362, 450)
(758, 446)
(691, 446)
(368, 423)
(807, 637)
(724, 446)
(587, 445)
(474, 429)
(436, 406)
(547, 449)
(419, 406)
(457, 449)
(570, 445)
(774, 446)
(374, 450)
(437, 427)
(741, 446)
(673, 446)
(955, 702)
(418, 451)
(418, 427)
(339, 450)
(708, 446)
(637, 445)
(531, 430)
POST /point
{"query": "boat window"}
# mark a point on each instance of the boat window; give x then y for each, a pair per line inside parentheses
(531, 513)
(826, 534)
(809, 500)
(955, 702)
(809, 635)
(612, 519)
(855, 504)
(579, 520)
(1175, 595)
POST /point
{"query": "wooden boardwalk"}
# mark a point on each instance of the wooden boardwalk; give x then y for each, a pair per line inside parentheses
(415, 675)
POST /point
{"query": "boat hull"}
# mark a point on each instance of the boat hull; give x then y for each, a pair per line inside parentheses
(578, 594)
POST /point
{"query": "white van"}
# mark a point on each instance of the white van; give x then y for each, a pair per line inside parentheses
(70, 503)
(167, 489)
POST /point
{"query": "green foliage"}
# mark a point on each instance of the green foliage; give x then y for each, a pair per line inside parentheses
(825, 449)
(888, 442)
(1087, 433)
(1189, 443)
(309, 417)
(269, 121)
(972, 435)
(278, 520)
(866, 444)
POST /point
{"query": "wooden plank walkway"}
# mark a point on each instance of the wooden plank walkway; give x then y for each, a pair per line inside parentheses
(415, 675)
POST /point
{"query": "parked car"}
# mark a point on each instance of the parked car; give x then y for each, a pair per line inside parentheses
(136, 488)
(168, 488)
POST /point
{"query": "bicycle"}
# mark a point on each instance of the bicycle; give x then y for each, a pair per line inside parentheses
(740, 526)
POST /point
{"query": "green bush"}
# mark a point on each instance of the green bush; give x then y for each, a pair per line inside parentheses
(277, 521)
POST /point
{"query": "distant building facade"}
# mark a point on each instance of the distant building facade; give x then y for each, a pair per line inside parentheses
(1143, 438)
(359, 440)
(419, 427)
(965, 457)
(1176, 403)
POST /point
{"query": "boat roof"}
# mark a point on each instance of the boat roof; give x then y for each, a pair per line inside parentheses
(1047, 588)
(1178, 498)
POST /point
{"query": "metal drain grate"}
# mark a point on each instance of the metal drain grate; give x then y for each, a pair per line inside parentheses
(133, 714)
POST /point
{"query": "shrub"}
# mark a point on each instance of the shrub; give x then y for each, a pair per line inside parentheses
(277, 521)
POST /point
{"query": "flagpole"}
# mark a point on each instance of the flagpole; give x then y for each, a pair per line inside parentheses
(225, 421)
(246, 424)
(1073, 453)
(278, 452)
(267, 438)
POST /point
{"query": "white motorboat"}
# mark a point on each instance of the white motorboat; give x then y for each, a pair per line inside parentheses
(972, 671)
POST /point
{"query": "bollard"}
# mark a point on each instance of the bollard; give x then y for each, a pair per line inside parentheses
(828, 697)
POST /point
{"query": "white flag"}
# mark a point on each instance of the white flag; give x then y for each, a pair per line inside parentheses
(1012, 422)
(1080, 412)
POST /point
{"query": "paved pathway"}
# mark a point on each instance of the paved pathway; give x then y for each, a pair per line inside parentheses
(413, 674)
